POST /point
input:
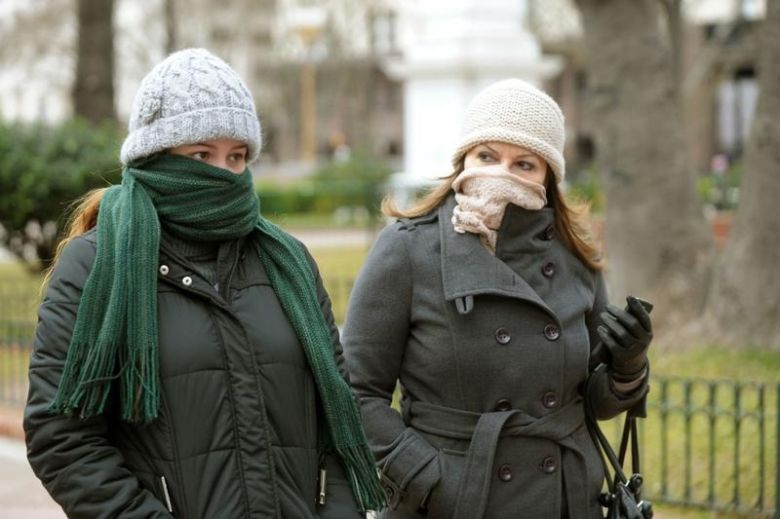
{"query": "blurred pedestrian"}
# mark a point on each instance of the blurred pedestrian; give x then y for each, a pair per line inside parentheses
(186, 360)
(486, 302)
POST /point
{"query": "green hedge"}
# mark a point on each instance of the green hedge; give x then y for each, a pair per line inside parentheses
(355, 183)
(44, 168)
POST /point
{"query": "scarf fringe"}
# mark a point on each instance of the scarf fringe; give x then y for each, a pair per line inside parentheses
(84, 386)
(363, 477)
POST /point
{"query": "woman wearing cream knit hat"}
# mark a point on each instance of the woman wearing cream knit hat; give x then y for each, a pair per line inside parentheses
(486, 302)
(186, 361)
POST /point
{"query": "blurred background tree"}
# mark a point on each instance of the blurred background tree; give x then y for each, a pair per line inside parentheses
(93, 89)
(656, 233)
(658, 240)
(743, 305)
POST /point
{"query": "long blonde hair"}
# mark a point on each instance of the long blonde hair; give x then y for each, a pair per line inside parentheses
(572, 216)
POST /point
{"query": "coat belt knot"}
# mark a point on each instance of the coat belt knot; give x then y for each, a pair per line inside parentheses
(484, 430)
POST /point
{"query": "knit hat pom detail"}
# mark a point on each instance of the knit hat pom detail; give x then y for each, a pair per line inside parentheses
(191, 96)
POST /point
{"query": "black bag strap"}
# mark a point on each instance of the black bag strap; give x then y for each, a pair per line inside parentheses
(612, 462)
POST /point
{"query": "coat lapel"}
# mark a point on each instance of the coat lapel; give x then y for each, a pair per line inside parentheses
(468, 268)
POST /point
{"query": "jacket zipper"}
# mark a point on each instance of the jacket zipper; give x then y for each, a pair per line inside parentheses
(226, 287)
(166, 494)
(176, 462)
(322, 486)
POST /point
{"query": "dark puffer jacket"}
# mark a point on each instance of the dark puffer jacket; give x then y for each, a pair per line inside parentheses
(239, 417)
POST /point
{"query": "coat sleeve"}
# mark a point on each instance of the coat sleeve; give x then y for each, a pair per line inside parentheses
(607, 402)
(73, 458)
(339, 501)
(375, 337)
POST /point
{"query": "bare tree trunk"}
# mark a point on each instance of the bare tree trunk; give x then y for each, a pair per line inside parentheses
(657, 239)
(93, 91)
(171, 30)
(674, 22)
(744, 305)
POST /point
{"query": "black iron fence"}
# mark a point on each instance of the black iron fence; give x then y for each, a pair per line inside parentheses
(713, 444)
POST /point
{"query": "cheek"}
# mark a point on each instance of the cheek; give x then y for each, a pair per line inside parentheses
(539, 176)
(470, 161)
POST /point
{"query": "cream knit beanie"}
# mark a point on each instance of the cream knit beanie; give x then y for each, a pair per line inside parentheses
(191, 96)
(515, 112)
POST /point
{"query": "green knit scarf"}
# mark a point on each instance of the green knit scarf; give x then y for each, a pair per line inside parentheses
(115, 336)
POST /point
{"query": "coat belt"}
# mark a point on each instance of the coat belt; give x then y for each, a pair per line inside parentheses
(484, 430)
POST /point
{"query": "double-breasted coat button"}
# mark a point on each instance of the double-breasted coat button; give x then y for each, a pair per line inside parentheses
(550, 400)
(502, 336)
(503, 405)
(548, 465)
(548, 269)
(186, 281)
(552, 332)
(505, 473)
(164, 270)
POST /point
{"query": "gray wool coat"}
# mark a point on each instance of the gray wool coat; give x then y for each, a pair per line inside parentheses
(492, 353)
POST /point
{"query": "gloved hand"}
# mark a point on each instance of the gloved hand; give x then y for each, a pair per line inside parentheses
(627, 335)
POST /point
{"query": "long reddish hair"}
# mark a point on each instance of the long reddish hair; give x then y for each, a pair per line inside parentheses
(83, 217)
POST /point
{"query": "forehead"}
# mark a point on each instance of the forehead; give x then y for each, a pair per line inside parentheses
(221, 143)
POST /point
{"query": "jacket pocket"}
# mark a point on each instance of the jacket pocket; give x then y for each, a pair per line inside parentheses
(158, 486)
(441, 501)
(409, 471)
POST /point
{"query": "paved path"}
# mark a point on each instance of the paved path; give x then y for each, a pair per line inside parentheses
(21, 494)
(335, 237)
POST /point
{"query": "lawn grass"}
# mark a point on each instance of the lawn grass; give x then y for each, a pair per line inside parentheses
(19, 293)
(14, 360)
(339, 267)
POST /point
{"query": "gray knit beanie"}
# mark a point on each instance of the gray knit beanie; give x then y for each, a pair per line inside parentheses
(515, 112)
(191, 96)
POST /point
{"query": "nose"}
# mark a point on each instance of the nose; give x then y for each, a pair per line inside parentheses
(220, 162)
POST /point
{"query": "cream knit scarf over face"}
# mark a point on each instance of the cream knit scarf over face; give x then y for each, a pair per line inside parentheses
(483, 193)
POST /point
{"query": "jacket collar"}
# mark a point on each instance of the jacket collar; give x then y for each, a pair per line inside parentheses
(468, 268)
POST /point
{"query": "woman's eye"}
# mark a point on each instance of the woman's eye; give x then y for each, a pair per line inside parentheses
(484, 156)
(526, 166)
(238, 157)
(199, 155)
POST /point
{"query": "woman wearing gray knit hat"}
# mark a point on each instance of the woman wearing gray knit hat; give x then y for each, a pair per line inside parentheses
(186, 360)
(486, 302)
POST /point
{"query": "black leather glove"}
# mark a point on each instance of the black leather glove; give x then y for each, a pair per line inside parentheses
(627, 335)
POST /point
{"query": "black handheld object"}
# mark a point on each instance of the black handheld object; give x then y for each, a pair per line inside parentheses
(647, 305)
